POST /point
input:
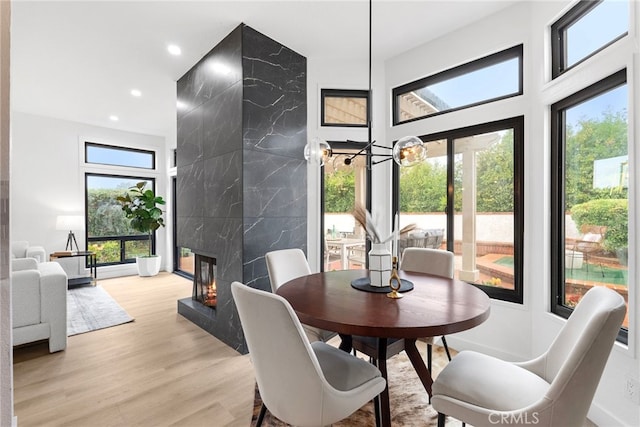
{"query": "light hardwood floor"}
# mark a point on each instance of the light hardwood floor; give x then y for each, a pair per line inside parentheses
(159, 370)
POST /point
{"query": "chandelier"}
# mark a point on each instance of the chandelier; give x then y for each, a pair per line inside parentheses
(407, 151)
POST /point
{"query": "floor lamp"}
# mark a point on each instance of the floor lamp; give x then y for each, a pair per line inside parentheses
(70, 222)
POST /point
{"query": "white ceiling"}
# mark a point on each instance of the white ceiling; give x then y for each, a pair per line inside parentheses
(78, 60)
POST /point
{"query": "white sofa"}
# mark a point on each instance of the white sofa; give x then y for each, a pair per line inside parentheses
(39, 302)
(22, 249)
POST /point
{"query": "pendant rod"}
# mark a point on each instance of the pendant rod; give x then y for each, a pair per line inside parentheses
(370, 101)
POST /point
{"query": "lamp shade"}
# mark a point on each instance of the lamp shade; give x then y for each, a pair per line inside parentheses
(70, 222)
(409, 151)
(317, 151)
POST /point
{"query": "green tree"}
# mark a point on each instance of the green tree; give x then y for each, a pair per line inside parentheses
(593, 139)
(106, 217)
(423, 188)
(495, 174)
(340, 191)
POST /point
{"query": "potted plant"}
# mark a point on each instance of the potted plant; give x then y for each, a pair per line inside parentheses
(140, 207)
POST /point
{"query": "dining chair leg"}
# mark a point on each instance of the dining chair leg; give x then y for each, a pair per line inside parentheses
(376, 410)
(429, 356)
(263, 411)
(441, 419)
(446, 348)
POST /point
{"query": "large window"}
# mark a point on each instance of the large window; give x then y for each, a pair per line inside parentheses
(587, 28)
(485, 80)
(589, 191)
(468, 198)
(109, 234)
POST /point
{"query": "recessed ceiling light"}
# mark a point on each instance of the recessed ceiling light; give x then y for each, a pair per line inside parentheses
(174, 49)
(136, 92)
(113, 118)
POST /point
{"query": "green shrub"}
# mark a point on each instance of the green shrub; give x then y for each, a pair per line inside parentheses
(612, 213)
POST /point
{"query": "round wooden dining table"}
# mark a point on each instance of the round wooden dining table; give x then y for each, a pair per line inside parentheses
(435, 306)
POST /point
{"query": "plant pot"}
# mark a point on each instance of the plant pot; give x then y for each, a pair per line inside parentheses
(148, 265)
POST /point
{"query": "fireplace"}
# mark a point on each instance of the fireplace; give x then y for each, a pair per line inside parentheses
(204, 281)
(241, 180)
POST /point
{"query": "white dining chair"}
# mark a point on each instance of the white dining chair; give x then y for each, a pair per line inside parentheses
(300, 383)
(554, 389)
(430, 261)
(288, 264)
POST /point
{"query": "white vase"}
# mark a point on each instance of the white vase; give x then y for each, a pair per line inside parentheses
(148, 265)
(379, 265)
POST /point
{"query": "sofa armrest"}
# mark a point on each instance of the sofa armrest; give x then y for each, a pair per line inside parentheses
(37, 252)
(21, 264)
(26, 298)
(53, 290)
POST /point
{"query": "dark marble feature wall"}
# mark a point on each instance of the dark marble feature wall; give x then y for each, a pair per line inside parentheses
(242, 178)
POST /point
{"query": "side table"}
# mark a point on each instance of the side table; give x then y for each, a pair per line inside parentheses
(90, 257)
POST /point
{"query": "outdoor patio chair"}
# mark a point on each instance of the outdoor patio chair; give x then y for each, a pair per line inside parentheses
(588, 244)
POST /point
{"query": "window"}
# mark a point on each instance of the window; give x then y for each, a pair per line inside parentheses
(183, 258)
(119, 156)
(587, 28)
(468, 198)
(485, 80)
(344, 186)
(346, 108)
(109, 234)
(589, 193)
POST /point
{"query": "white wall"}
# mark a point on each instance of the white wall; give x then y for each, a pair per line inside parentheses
(516, 331)
(47, 179)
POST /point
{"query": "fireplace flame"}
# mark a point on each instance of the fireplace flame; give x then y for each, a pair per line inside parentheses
(211, 299)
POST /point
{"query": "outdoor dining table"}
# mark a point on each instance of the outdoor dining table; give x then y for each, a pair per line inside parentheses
(435, 306)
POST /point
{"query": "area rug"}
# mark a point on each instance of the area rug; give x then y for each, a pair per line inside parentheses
(90, 308)
(409, 401)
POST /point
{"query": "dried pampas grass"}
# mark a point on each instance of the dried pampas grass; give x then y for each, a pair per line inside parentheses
(366, 221)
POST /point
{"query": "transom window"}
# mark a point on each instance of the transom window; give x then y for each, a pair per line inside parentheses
(485, 80)
(586, 29)
(345, 108)
(119, 156)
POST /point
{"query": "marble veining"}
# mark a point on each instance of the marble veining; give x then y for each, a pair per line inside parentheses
(242, 179)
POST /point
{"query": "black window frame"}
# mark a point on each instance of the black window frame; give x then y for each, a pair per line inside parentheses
(344, 93)
(342, 145)
(123, 238)
(557, 250)
(88, 144)
(515, 52)
(517, 124)
(558, 37)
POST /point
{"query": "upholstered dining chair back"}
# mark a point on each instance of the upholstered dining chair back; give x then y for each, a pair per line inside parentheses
(576, 358)
(554, 389)
(286, 264)
(426, 260)
(300, 383)
(431, 261)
